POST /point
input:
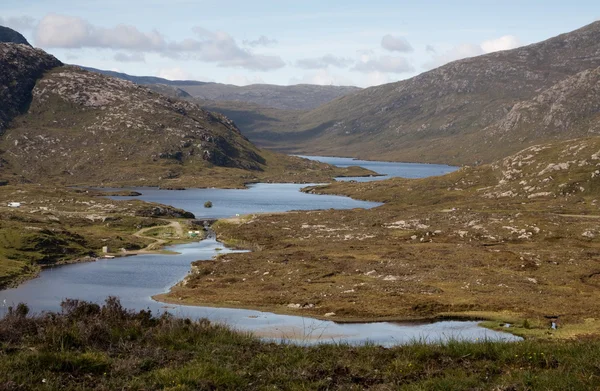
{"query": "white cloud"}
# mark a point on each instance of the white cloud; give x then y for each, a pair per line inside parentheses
(19, 23)
(133, 57)
(506, 42)
(324, 62)
(470, 50)
(386, 64)
(175, 73)
(241, 80)
(59, 31)
(261, 41)
(396, 44)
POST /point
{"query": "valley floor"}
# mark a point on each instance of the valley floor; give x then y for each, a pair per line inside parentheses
(502, 242)
(57, 224)
(460, 245)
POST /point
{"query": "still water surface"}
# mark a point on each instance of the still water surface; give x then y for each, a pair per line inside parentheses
(386, 169)
(136, 279)
(258, 198)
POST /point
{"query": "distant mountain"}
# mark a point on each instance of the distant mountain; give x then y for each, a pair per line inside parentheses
(11, 36)
(63, 124)
(473, 110)
(295, 97)
(145, 79)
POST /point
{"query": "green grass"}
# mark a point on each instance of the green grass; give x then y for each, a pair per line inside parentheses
(87, 346)
(61, 225)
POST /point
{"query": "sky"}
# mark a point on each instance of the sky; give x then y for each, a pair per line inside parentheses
(349, 42)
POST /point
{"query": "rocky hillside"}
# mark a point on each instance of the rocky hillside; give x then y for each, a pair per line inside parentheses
(11, 36)
(295, 97)
(80, 127)
(572, 104)
(454, 113)
(21, 66)
(96, 128)
(563, 169)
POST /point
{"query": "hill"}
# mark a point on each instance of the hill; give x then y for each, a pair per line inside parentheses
(294, 97)
(21, 67)
(455, 113)
(11, 36)
(80, 127)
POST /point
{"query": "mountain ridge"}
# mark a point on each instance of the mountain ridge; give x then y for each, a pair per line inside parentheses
(293, 97)
(438, 116)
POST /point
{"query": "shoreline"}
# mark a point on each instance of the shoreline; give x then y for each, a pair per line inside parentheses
(164, 298)
(481, 317)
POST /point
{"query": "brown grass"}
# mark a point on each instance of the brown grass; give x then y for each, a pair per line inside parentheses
(437, 248)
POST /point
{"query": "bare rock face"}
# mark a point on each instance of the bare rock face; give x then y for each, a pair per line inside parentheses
(21, 67)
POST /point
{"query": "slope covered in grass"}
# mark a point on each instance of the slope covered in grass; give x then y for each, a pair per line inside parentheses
(93, 347)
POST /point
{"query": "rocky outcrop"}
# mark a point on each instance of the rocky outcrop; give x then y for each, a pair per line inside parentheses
(561, 169)
(155, 210)
(21, 67)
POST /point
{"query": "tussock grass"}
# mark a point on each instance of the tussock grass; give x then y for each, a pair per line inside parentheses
(88, 346)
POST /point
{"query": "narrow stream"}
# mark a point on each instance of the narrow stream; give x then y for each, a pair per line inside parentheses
(136, 279)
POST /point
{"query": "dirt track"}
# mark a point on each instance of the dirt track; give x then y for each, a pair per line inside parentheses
(153, 248)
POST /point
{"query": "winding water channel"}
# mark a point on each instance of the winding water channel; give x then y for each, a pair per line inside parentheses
(136, 279)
